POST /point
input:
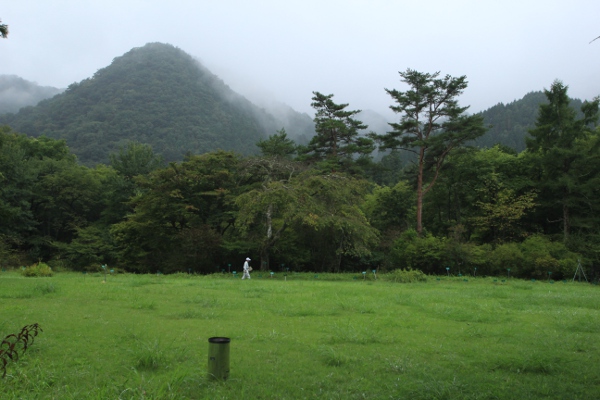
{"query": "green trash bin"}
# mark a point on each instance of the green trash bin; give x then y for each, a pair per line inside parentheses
(218, 358)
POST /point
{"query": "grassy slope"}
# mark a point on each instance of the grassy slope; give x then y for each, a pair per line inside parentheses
(146, 337)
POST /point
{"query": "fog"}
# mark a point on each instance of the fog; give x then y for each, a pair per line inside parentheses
(282, 51)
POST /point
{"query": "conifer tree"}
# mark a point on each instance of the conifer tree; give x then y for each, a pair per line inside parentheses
(555, 140)
(431, 125)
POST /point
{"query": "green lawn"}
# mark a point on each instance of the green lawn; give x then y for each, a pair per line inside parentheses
(146, 337)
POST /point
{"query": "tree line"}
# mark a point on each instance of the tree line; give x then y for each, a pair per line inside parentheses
(326, 205)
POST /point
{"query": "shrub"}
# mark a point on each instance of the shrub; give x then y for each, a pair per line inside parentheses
(507, 255)
(541, 256)
(427, 253)
(40, 269)
(404, 276)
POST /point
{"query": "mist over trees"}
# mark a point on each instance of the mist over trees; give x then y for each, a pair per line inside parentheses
(16, 93)
(117, 171)
(158, 95)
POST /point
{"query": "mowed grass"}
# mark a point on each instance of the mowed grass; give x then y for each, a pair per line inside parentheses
(146, 337)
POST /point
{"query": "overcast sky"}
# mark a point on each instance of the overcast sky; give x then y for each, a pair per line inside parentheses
(286, 49)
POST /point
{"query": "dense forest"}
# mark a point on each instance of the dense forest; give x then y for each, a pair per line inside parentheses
(322, 206)
(508, 124)
(159, 95)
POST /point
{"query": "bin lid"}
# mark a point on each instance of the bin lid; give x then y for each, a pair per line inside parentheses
(219, 340)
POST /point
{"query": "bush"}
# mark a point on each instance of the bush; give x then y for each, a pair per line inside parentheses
(507, 255)
(427, 253)
(541, 256)
(40, 269)
(404, 276)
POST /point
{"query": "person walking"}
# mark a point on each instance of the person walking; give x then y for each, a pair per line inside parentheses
(247, 269)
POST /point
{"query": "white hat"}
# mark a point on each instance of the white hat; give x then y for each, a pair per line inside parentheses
(247, 259)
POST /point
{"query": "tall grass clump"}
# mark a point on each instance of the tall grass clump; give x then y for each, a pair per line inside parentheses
(38, 270)
(404, 276)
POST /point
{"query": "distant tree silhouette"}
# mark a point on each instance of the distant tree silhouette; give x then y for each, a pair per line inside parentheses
(3, 30)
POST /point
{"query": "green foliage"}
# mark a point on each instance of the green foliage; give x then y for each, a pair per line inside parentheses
(504, 256)
(135, 159)
(559, 144)
(277, 145)
(542, 256)
(39, 269)
(431, 125)
(391, 208)
(426, 253)
(337, 141)
(157, 95)
(404, 276)
(180, 216)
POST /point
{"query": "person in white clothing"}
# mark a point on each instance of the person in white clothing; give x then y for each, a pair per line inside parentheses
(246, 269)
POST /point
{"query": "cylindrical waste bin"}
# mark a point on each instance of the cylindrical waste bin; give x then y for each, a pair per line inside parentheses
(218, 358)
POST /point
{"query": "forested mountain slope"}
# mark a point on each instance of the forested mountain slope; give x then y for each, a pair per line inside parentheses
(509, 123)
(155, 94)
(16, 93)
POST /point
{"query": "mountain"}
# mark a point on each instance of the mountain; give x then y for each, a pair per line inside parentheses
(16, 93)
(156, 94)
(509, 123)
(377, 123)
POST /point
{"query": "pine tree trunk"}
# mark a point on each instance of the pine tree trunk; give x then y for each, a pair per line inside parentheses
(420, 192)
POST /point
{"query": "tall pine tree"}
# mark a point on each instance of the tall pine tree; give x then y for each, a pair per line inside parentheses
(554, 140)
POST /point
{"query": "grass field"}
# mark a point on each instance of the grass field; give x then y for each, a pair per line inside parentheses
(146, 337)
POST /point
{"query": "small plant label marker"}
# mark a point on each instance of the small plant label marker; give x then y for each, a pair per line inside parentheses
(448, 271)
(234, 274)
(272, 273)
(364, 275)
(475, 271)
(508, 272)
(104, 268)
(375, 274)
